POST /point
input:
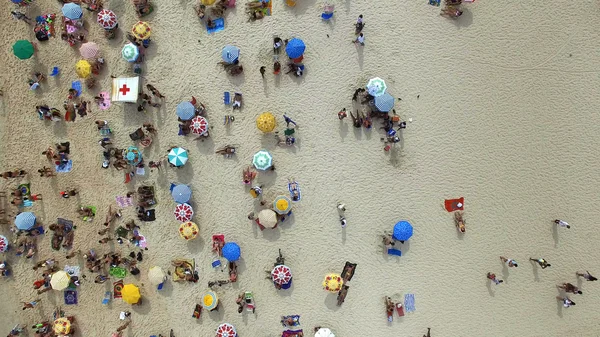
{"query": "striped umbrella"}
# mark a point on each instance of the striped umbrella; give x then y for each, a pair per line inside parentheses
(184, 212)
(89, 50)
(72, 11)
(25, 221)
(141, 30)
(199, 125)
(181, 193)
(130, 52)
(281, 274)
(178, 156)
(107, 19)
(230, 53)
(282, 204)
(262, 160)
(226, 330)
(186, 110)
(231, 251)
(376, 87)
(210, 300)
(3, 244)
(295, 48)
(385, 102)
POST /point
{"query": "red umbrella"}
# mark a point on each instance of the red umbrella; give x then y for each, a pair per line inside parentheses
(184, 212)
(281, 274)
(107, 19)
(199, 125)
(226, 330)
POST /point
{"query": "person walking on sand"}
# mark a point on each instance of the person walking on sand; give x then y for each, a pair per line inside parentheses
(104, 240)
(359, 24)
(566, 301)
(342, 114)
(509, 262)
(69, 193)
(30, 305)
(20, 16)
(263, 69)
(562, 223)
(543, 263)
(587, 276)
(360, 39)
(428, 329)
(154, 91)
(288, 121)
(568, 287)
(124, 326)
(492, 276)
(46, 172)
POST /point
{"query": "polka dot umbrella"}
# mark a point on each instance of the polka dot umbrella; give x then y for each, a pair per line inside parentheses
(226, 330)
(199, 125)
(333, 283)
(266, 122)
(141, 30)
(281, 274)
(62, 326)
(107, 19)
(184, 212)
(188, 230)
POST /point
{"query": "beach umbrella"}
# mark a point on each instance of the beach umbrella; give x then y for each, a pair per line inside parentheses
(178, 156)
(376, 87)
(226, 330)
(267, 218)
(199, 125)
(210, 300)
(282, 204)
(333, 283)
(188, 230)
(130, 52)
(266, 122)
(156, 275)
(60, 280)
(262, 160)
(295, 48)
(133, 156)
(186, 110)
(403, 230)
(107, 19)
(23, 49)
(230, 53)
(3, 244)
(25, 221)
(89, 50)
(181, 193)
(324, 332)
(83, 68)
(184, 212)
(72, 11)
(131, 294)
(62, 326)
(281, 274)
(208, 2)
(385, 102)
(231, 251)
(141, 30)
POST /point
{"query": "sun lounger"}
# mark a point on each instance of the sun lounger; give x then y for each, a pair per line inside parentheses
(137, 134)
(348, 271)
(219, 25)
(226, 98)
(392, 251)
(77, 86)
(54, 72)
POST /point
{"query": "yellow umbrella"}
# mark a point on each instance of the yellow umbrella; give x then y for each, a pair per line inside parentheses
(156, 275)
(141, 30)
(208, 2)
(62, 326)
(333, 283)
(83, 69)
(188, 230)
(131, 293)
(266, 122)
(210, 300)
(282, 204)
(60, 280)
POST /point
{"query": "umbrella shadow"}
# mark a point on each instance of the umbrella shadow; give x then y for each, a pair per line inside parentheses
(144, 308)
(206, 145)
(555, 234)
(185, 174)
(301, 6)
(217, 315)
(489, 287)
(270, 234)
(465, 20)
(331, 301)
(286, 292)
(195, 246)
(237, 80)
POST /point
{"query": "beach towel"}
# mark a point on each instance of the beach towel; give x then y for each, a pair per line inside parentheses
(348, 271)
(178, 274)
(27, 203)
(409, 302)
(149, 215)
(392, 251)
(197, 311)
(269, 10)
(226, 98)
(64, 168)
(117, 272)
(452, 205)
(123, 201)
(117, 288)
(77, 86)
(70, 297)
(105, 104)
(291, 333)
(73, 270)
(295, 318)
(294, 191)
(435, 2)
(67, 223)
(219, 26)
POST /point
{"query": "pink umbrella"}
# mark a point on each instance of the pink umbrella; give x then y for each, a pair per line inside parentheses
(107, 19)
(199, 125)
(184, 212)
(281, 274)
(89, 50)
(226, 330)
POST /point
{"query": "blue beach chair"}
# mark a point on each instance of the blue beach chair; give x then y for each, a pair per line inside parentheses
(392, 251)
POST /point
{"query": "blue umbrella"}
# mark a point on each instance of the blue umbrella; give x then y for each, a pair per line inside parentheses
(231, 251)
(181, 193)
(295, 48)
(72, 11)
(186, 110)
(403, 230)
(25, 221)
(230, 53)
(384, 103)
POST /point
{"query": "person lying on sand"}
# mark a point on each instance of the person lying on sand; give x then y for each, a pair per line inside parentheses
(257, 4)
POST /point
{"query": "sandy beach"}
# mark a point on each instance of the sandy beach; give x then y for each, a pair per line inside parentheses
(503, 103)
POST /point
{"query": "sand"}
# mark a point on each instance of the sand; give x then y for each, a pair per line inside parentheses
(506, 117)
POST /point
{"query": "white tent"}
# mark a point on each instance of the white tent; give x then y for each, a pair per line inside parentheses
(125, 89)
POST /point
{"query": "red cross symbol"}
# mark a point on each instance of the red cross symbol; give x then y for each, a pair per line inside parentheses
(124, 90)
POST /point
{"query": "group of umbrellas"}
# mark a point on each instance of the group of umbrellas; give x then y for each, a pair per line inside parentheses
(186, 111)
(141, 30)
(384, 102)
(184, 212)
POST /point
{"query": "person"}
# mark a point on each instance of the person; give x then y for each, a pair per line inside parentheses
(342, 114)
(30, 305)
(69, 193)
(343, 221)
(20, 16)
(509, 262)
(568, 287)
(562, 223)
(587, 276)
(492, 277)
(359, 24)
(388, 240)
(451, 11)
(389, 308)
(288, 121)
(46, 172)
(262, 71)
(543, 263)
(276, 67)
(428, 333)
(16, 331)
(566, 301)
(356, 120)
(277, 43)
(155, 92)
(360, 39)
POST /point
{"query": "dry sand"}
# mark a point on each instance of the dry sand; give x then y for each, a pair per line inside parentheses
(507, 117)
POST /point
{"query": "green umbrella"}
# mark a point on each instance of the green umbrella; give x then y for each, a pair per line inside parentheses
(23, 49)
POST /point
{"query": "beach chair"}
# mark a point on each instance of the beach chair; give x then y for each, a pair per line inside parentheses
(227, 98)
(137, 135)
(107, 297)
(160, 286)
(237, 100)
(327, 12)
(393, 251)
(77, 86)
(54, 72)
(249, 299)
(216, 263)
